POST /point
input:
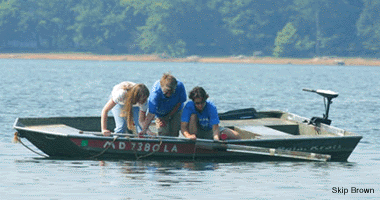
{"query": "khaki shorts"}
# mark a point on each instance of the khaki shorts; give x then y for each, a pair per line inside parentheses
(172, 127)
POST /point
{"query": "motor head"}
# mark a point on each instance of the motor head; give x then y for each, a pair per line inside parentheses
(325, 93)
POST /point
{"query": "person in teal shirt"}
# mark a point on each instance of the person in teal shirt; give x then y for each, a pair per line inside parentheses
(200, 118)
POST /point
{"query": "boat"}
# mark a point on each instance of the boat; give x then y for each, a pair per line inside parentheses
(266, 135)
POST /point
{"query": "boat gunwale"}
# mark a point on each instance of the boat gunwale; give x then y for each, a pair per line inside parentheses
(286, 116)
(182, 139)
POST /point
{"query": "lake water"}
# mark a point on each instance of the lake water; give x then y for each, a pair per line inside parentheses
(47, 88)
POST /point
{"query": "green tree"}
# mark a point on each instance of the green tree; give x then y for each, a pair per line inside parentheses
(8, 21)
(323, 23)
(368, 26)
(118, 26)
(45, 22)
(102, 26)
(253, 24)
(159, 34)
(285, 40)
(200, 26)
(89, 15)
(183, 27)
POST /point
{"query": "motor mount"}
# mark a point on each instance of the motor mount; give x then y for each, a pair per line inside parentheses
(327, 95)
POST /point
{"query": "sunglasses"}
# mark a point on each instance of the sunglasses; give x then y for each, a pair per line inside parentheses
(199, 103)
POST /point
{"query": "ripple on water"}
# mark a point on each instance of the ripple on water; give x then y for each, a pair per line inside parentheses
(81, 88)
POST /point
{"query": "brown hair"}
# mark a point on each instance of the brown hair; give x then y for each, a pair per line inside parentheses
(134, 94)
(168, 82)
(198, 92)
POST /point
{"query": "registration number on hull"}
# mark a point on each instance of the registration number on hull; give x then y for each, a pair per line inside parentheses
(132, 146)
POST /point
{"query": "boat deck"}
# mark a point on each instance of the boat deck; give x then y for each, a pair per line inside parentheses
(263, 127)
(267, 125)
(257, 122)
(248, 129)
(60, 129)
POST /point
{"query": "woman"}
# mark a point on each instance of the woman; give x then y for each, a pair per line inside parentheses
(200, 118)
(128, 104)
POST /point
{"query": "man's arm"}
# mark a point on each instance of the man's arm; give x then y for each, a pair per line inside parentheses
(215, 131)
(185, 131)
(148, 121)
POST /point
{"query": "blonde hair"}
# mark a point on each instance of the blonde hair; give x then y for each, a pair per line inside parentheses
(134, 94)
(168, 82)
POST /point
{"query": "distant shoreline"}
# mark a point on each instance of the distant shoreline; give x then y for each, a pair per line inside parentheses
(156, 58)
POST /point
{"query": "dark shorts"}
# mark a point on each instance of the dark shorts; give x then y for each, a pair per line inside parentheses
(203, 134)
(172, 127)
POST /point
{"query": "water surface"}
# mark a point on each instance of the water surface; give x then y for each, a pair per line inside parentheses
(47, 88)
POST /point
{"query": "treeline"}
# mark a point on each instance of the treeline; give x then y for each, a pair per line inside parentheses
(176, 28)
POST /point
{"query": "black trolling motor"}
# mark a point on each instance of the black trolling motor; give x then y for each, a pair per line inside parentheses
(329, 95)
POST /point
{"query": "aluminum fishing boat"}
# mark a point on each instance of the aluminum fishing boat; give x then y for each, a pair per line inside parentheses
(266, 135)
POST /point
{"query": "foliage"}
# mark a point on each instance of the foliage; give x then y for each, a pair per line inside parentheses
(286, 28)
(8, 18)
(369, 26)
(285, 40)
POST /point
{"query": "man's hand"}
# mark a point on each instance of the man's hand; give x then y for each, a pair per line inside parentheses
(216, 137)
(161, 122)
(191, 137)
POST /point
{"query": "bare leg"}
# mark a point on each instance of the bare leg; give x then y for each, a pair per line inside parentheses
(231, 134)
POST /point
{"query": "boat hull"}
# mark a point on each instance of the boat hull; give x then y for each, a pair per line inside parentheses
(95, 147)
(80, 138)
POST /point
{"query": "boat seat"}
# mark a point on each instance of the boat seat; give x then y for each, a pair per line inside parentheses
(56, 128)
(263, 131)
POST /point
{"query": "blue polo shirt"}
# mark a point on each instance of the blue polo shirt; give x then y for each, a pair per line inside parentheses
(207, 118)
(160, 105)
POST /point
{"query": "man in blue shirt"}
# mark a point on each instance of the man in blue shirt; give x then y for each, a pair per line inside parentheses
(200, 118)
(166, 103)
